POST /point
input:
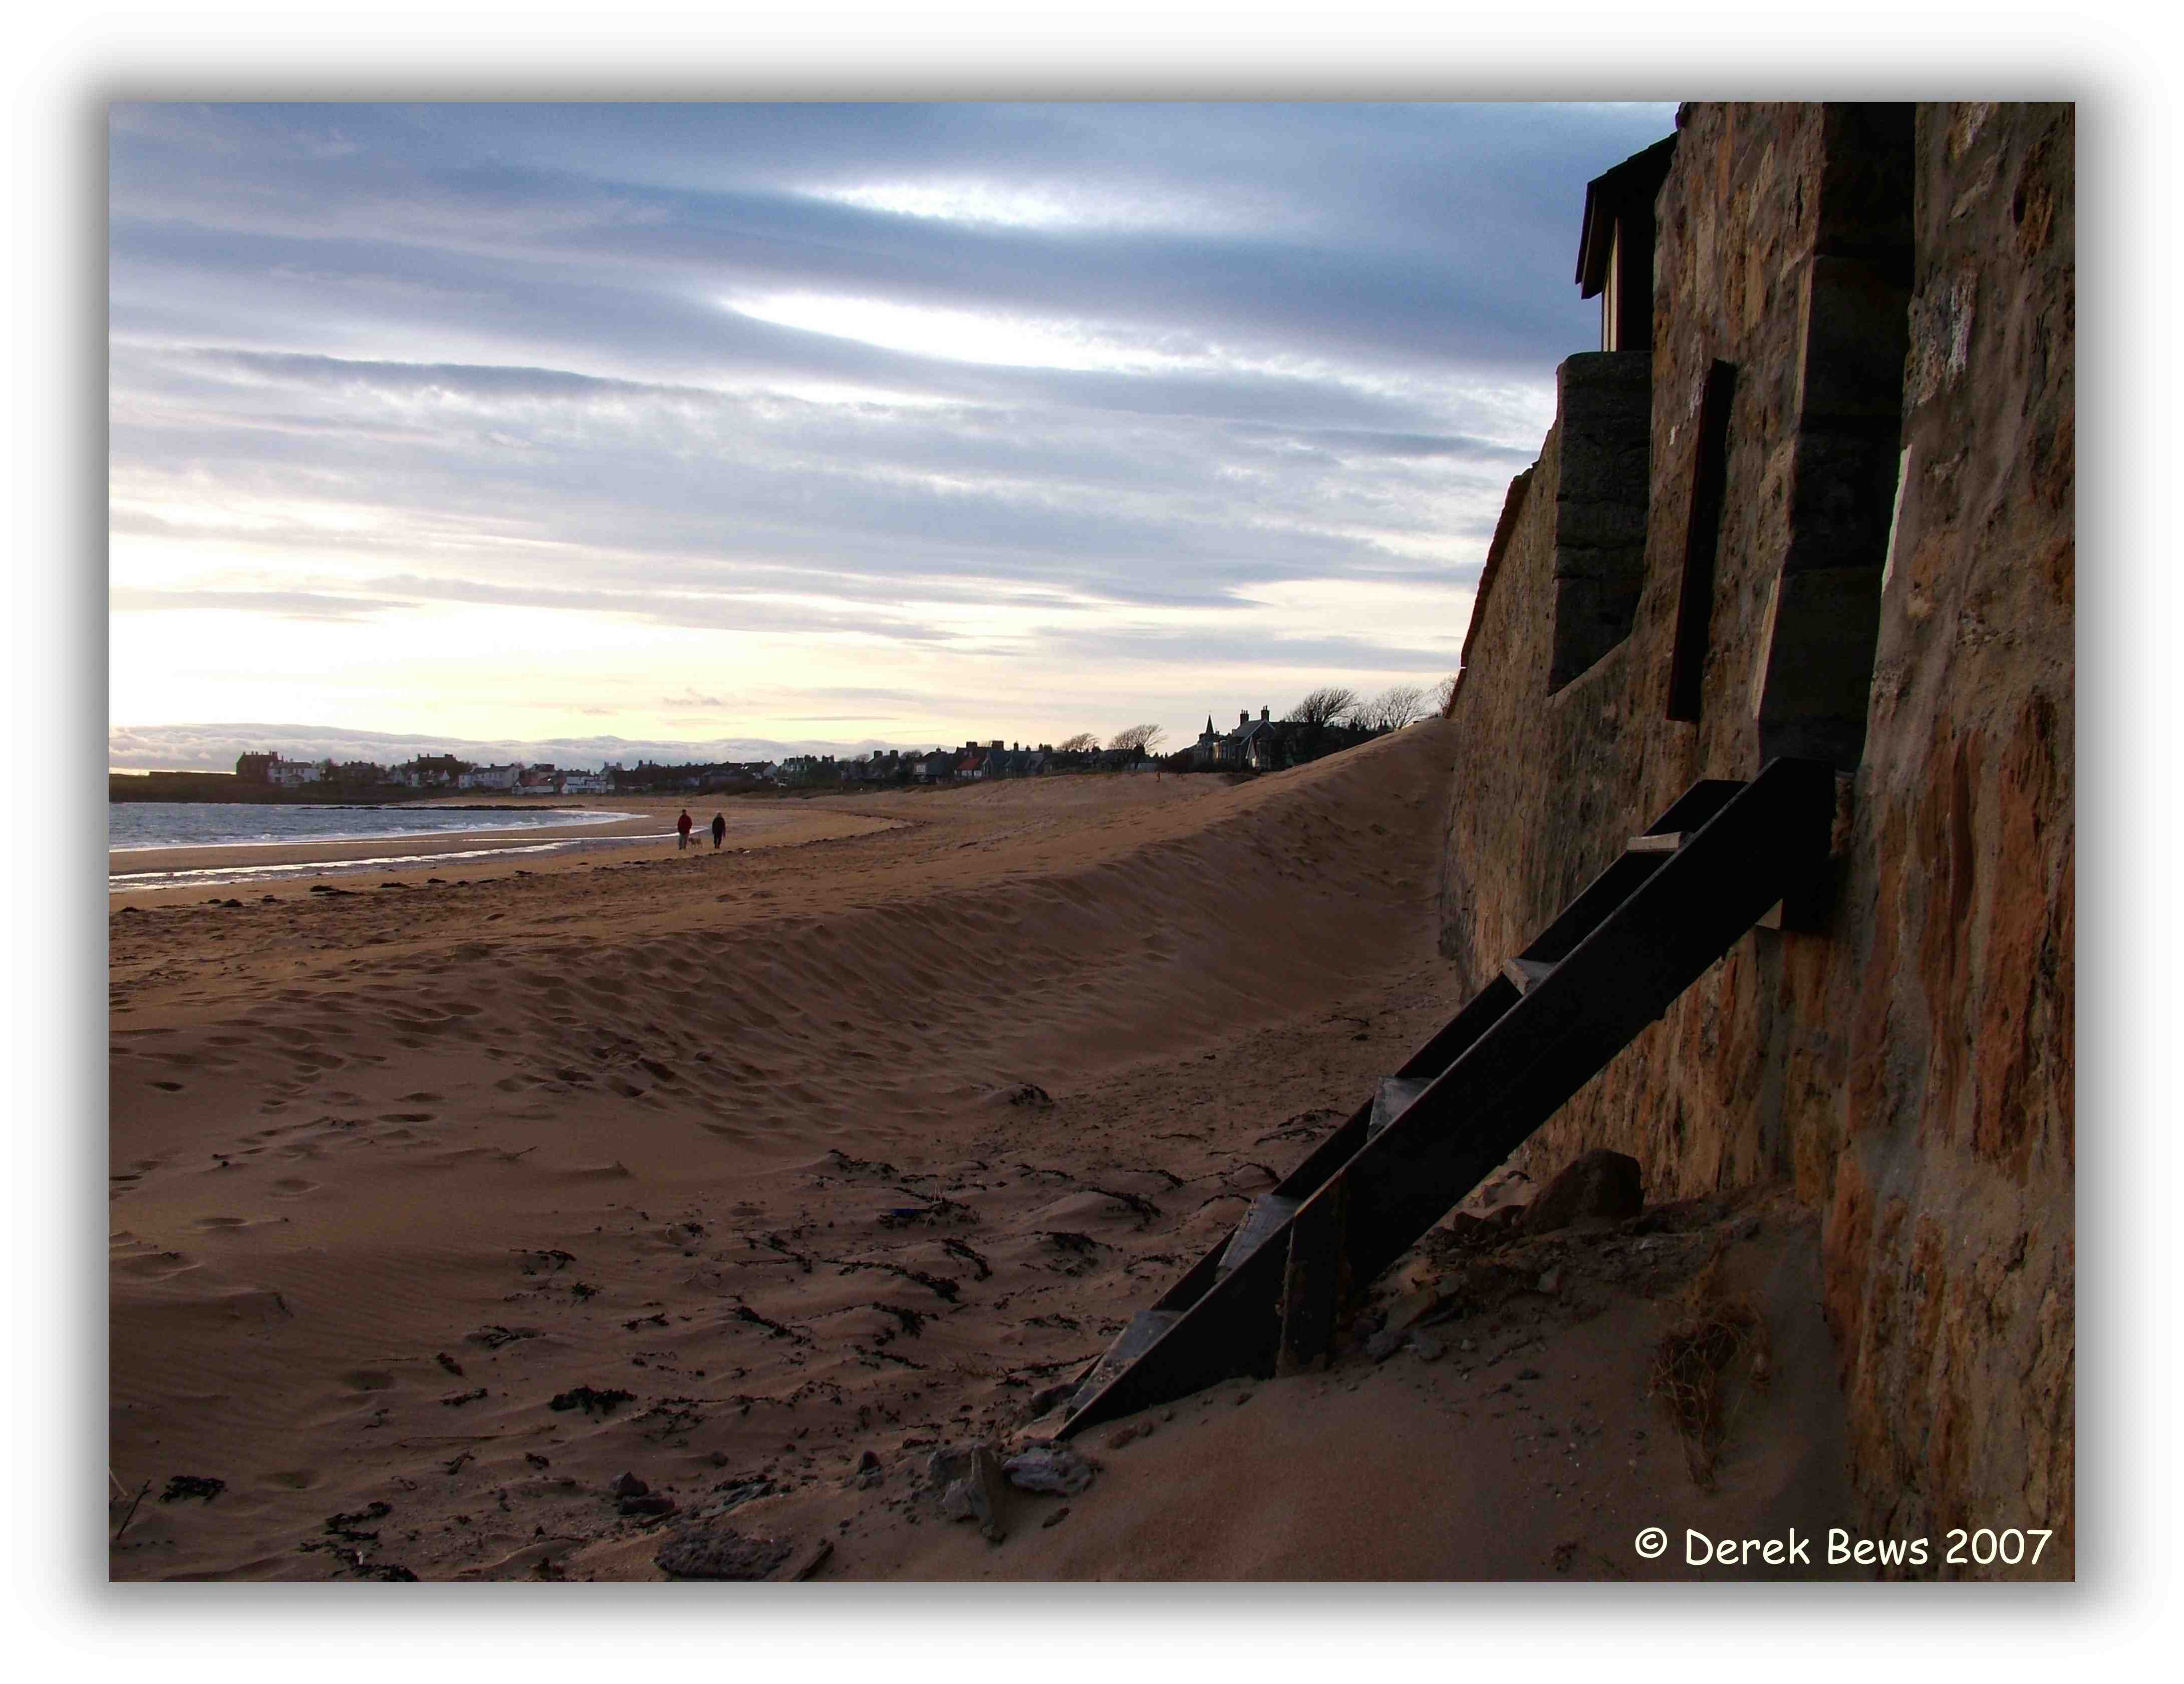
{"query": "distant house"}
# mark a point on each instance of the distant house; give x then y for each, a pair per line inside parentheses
(1015, 761)
(1252, 743)
(1236, 747)
(431, 771)
(587, 782)
(289, 774)
(1274, 744)
(491, 777)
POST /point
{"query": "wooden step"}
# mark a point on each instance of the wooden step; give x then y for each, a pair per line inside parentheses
(1269, 1211)
(1527, 973)
(1657, 842)
(1393, 1099)
(1131, 1343)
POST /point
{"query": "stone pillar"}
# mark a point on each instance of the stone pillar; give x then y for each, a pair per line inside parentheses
(1604, 409)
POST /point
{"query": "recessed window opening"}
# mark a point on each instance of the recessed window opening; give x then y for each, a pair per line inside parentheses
(1701, 539)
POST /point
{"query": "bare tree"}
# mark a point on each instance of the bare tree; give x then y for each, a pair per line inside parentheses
(1083, 743)
(1139, 739)
(1393, 708)
(1326, 706)
(1444, 696)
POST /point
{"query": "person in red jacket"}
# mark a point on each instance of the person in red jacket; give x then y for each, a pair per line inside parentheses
(683, 829)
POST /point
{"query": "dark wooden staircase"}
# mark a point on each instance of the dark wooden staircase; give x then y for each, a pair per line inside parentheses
(1269, 1298)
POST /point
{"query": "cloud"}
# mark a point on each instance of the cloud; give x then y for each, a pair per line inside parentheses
(1199, 650)
(215, 748)
(990, 381)
(281, 605)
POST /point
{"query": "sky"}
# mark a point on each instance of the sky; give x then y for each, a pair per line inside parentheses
(589, 430)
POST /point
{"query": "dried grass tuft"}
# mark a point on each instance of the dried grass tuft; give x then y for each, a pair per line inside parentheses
(1696, 1361)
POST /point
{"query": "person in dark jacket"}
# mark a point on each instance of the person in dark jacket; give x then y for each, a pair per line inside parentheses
(683, 829)
(720, 830)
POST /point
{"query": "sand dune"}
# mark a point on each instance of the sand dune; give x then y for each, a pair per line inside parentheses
(851, 1143)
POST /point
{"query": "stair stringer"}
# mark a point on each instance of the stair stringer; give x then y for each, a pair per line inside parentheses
(1509, 1062)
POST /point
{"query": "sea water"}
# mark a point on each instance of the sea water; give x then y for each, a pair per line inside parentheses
(136, 826)
(236, 824)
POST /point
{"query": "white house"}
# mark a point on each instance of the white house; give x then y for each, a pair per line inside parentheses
(289, 773)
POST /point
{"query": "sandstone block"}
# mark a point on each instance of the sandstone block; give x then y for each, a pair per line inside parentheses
(1602, 1186)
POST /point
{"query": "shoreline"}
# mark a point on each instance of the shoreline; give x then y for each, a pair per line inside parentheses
(634, 828)
(565, 818)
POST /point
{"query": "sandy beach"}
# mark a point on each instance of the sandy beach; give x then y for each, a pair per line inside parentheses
(838, 1148)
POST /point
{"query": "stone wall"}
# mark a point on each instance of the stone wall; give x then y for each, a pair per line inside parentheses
(1904, 1055)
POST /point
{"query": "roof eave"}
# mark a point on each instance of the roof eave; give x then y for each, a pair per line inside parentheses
(1608, 197)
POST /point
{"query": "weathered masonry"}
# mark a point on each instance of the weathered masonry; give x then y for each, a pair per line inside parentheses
(1814, 497)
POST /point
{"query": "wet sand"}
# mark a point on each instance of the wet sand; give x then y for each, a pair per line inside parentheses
(631, 829)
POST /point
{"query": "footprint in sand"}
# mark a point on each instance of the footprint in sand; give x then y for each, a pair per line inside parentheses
(148, 1264)
(222, 1224)
(407, 1116)
(367, 1380)
(293, 1187)
(293, 1479)
(169, 1087)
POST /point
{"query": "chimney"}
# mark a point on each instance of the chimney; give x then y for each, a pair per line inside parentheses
(1243, 717)
(1264, 717)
